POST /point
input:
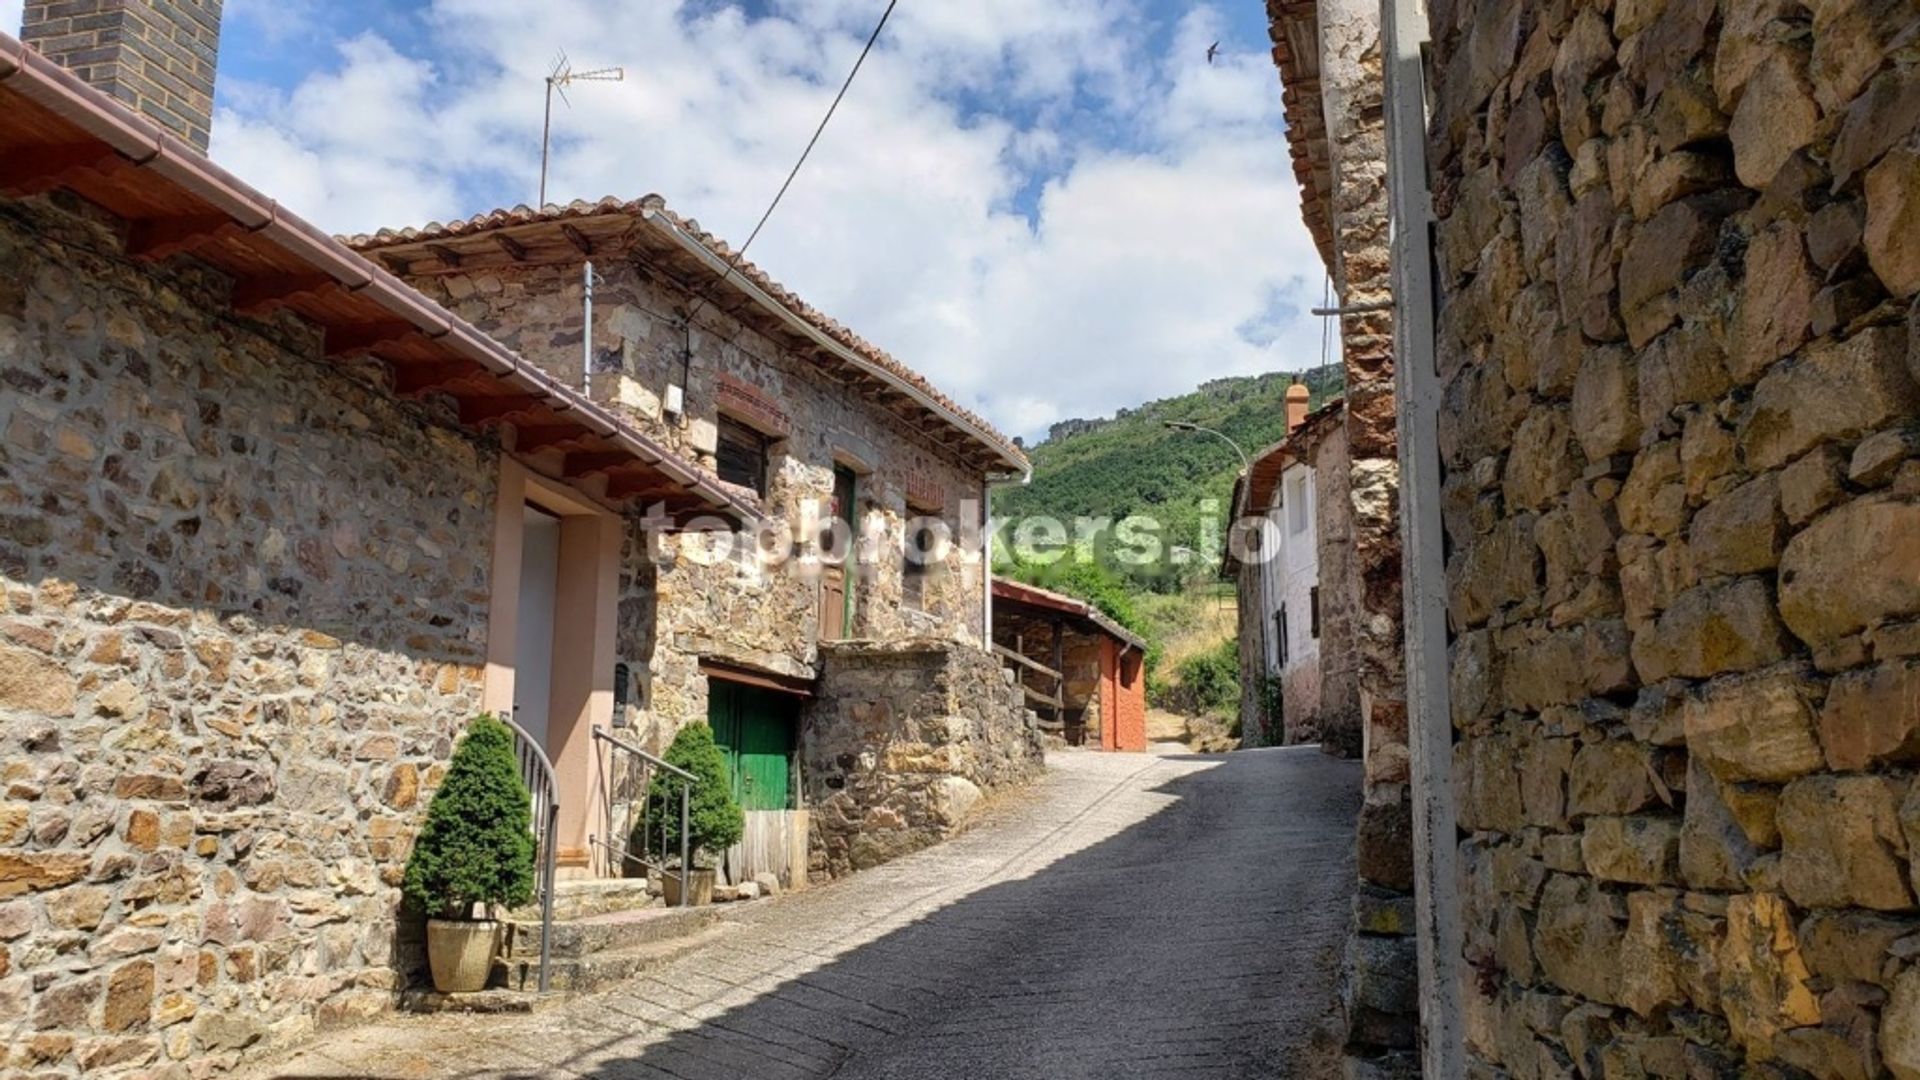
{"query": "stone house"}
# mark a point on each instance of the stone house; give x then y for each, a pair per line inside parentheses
(1654, 274)
(268, 517)
(1082, 673)
(1328, 56)
(840, 442)
(1290, 557)
(1675, 397)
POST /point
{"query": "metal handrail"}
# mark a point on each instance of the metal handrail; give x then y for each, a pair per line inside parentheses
(536, 770)
(624, 851)
(603, 735)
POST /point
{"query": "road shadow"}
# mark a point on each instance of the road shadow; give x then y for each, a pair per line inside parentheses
(1202, 940)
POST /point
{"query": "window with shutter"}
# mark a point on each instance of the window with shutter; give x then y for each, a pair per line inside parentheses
(741, 456)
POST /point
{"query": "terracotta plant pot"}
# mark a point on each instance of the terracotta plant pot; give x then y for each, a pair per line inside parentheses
(701, 881)
(460, 953)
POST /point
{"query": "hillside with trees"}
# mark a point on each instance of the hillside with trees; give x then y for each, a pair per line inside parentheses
(1133, 465)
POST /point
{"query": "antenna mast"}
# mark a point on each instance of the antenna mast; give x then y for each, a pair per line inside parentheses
(559, 79)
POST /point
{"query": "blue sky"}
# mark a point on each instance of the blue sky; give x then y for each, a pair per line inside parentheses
(1051, 208)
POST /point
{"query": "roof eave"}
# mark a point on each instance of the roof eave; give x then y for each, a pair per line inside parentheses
(1017, 465)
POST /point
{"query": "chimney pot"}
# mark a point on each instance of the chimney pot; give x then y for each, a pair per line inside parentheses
(156, 56)
(1298, 400)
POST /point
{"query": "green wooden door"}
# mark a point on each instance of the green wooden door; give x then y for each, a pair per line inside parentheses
(755, 729)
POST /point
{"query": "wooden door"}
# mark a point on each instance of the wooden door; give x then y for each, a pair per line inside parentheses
(755, 729)
(837, 594)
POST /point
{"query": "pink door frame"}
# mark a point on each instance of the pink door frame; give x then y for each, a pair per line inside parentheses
(584, 649)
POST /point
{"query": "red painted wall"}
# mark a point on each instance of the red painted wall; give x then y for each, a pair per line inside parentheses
(1123, 698)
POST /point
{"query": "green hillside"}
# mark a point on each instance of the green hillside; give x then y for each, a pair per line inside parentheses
(1133, 464)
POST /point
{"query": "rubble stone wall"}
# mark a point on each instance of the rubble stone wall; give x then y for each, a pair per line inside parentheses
(243, 599)
(1337, 723)
(1379, 997)
(708, 605)
(1679, 250)
(902, 742)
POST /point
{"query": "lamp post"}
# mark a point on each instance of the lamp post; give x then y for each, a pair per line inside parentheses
(1246, 470)
(1246, 465)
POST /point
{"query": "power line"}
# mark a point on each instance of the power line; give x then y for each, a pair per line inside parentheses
(741, 255)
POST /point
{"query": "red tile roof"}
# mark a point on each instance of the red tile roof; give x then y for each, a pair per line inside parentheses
(58, 132)
(1019, 593)
(652, 211)
(1294, 26)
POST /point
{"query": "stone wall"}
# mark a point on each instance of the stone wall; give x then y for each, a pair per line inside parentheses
(1030, 632)
(902, 741)
(1380, 1000)
(1338, 722)
(242, 616)
(1678, 256)
(1250, 636)
(708, 604)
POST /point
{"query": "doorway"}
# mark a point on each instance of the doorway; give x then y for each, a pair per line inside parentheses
(838, 579)
(533, 643)
(757, 730)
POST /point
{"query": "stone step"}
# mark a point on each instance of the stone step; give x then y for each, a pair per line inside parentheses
(610, 932)
(583, 974)
(592, 896)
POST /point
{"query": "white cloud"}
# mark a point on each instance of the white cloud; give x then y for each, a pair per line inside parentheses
(1164, 247)
(10, 15)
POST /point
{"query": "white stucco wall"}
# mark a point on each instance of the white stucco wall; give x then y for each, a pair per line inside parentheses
(1292, 574)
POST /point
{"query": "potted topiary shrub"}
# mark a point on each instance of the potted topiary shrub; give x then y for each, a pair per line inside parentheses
(714, 820)
(475, 850)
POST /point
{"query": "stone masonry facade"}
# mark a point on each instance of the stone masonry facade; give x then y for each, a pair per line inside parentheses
(1331, 49)
(1679, 249)
(242, 617)
(1337, 724)
(704, 604)
(903, 740)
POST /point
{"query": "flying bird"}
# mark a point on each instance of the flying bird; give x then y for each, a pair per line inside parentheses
(1213, 50)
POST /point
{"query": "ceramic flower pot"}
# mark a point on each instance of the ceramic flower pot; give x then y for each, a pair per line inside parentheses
(460, 953)
(701, 882)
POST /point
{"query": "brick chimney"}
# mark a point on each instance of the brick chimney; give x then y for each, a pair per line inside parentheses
(154, 56)
(1297, 402)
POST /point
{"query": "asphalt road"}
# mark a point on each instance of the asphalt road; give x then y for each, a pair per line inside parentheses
(1131, 916)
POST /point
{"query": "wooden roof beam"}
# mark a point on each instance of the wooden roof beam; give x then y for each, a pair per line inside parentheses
(446, 255)
(578, 239)
(484, 410)
(23, 174)
(152, 239)
(412, 380)
(345, 341)
(586, 464)
(515, 249)
(260, 295)
(533, 438)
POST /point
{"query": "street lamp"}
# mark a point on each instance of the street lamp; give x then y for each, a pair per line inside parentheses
(1246, 470)
(1246, 464)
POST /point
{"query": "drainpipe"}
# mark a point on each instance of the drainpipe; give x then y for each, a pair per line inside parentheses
(1417, 393)
(586, 337)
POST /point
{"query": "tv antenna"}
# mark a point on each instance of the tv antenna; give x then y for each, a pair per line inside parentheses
(559, 79)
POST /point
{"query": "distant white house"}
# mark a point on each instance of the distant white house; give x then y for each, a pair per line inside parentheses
(1292, 545)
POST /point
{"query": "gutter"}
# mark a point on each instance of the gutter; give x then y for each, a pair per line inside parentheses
(693, 246)
(146, 146)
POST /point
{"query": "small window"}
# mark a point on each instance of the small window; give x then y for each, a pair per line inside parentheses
(1297, 504)
(1313, 599)
(1280, 631)
(741, 457)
